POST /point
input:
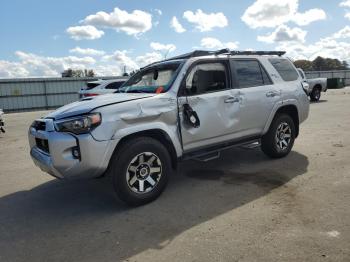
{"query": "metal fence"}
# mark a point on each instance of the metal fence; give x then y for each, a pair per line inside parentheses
(345, 74)
(48, 93)
(40, 93)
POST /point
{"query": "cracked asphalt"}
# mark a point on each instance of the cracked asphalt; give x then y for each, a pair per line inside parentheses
(241, 207)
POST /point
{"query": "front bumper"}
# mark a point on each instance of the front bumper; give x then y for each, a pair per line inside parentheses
(57, 159)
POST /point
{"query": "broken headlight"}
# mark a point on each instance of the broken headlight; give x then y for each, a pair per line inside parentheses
(80, 124)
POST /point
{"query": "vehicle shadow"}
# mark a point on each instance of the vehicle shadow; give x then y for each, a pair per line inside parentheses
(80, 220)
(319, 101)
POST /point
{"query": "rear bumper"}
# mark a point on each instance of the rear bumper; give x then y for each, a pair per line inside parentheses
(58, 159)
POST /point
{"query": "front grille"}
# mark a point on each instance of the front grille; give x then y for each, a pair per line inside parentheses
(42, 144)
(39, 125)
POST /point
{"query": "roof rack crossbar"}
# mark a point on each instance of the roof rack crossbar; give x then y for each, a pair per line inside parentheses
(278, 53)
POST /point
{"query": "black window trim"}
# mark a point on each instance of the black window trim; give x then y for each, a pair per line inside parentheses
(224, 61)
(234, 72)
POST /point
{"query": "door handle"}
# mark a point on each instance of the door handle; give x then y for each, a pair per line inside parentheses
(272, 94)
(232, 99)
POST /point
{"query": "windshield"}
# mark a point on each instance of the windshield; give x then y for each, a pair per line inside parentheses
(153, 79)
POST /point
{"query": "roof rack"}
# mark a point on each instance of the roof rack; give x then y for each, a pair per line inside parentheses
(226, 51)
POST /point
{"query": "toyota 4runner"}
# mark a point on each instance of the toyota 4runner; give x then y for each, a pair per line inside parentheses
(188, 107)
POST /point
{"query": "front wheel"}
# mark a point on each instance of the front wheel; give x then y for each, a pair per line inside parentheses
(315, 94)
(140, 170)
(279, 140)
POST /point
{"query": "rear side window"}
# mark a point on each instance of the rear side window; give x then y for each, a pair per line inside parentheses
(250, 73)
(285, 68)
(114, 85)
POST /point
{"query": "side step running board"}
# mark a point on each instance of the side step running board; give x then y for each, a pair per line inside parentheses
(207, 157)
(251, 145)
(212, 153)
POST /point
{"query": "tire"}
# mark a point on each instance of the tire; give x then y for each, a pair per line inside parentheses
(140, 170)
(282, 129)
(315, 94)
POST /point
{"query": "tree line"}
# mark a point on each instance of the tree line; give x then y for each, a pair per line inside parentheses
(321, 64)
(78, 73)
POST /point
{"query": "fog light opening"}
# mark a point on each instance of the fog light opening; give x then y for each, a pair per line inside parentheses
(76, 152)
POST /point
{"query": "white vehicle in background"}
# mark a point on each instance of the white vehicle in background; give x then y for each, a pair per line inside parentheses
(101, 87)
(316, 86)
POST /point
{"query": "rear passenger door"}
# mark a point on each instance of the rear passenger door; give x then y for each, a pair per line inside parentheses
(257, 94)
(288, 80)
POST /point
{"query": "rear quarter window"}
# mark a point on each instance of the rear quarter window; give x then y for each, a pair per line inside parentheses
(285, 68)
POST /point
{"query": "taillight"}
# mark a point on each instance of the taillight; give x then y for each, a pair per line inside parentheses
(89, 95)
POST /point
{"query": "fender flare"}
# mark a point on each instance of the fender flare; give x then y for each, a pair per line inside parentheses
(278, 106)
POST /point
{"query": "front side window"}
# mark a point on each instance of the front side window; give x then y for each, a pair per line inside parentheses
(250, 73)
(153, 79)
(285, 68)
(205, 78)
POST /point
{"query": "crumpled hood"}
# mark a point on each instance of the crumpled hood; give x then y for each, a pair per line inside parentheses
(89, 104)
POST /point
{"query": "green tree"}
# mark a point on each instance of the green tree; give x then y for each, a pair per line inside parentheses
(78, 73)
(345, 65)
(319, 64)
(306, 65)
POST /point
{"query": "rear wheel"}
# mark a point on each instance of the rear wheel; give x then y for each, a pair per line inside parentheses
(140, 170)
(315, 94)
(279, 140)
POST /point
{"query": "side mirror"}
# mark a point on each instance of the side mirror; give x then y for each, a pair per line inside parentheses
(305, 86)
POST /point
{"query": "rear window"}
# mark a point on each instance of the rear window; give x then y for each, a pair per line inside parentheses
(285, 68)
(91, 85)
(115, 85)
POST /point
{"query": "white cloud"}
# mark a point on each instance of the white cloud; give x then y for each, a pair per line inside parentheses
(331, 47)
(30, 65)
(272, 13)
(121, 57)
(148, 58)
(309, 16)
(213, 43)
(134, 23)
(175, 24)
(206, 22)
(12, 70)
(284, 33)
(163, 47)
(33, 65)
(158, 11)
(86, 51)
(345, 3)
(84, 32)
(343, 33)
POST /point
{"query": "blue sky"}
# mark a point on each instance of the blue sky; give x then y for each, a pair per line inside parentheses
(42, 38)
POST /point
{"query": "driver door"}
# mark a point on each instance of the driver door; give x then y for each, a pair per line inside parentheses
(207, 90)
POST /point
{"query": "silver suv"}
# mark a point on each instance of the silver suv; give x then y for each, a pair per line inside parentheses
(189, 107)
